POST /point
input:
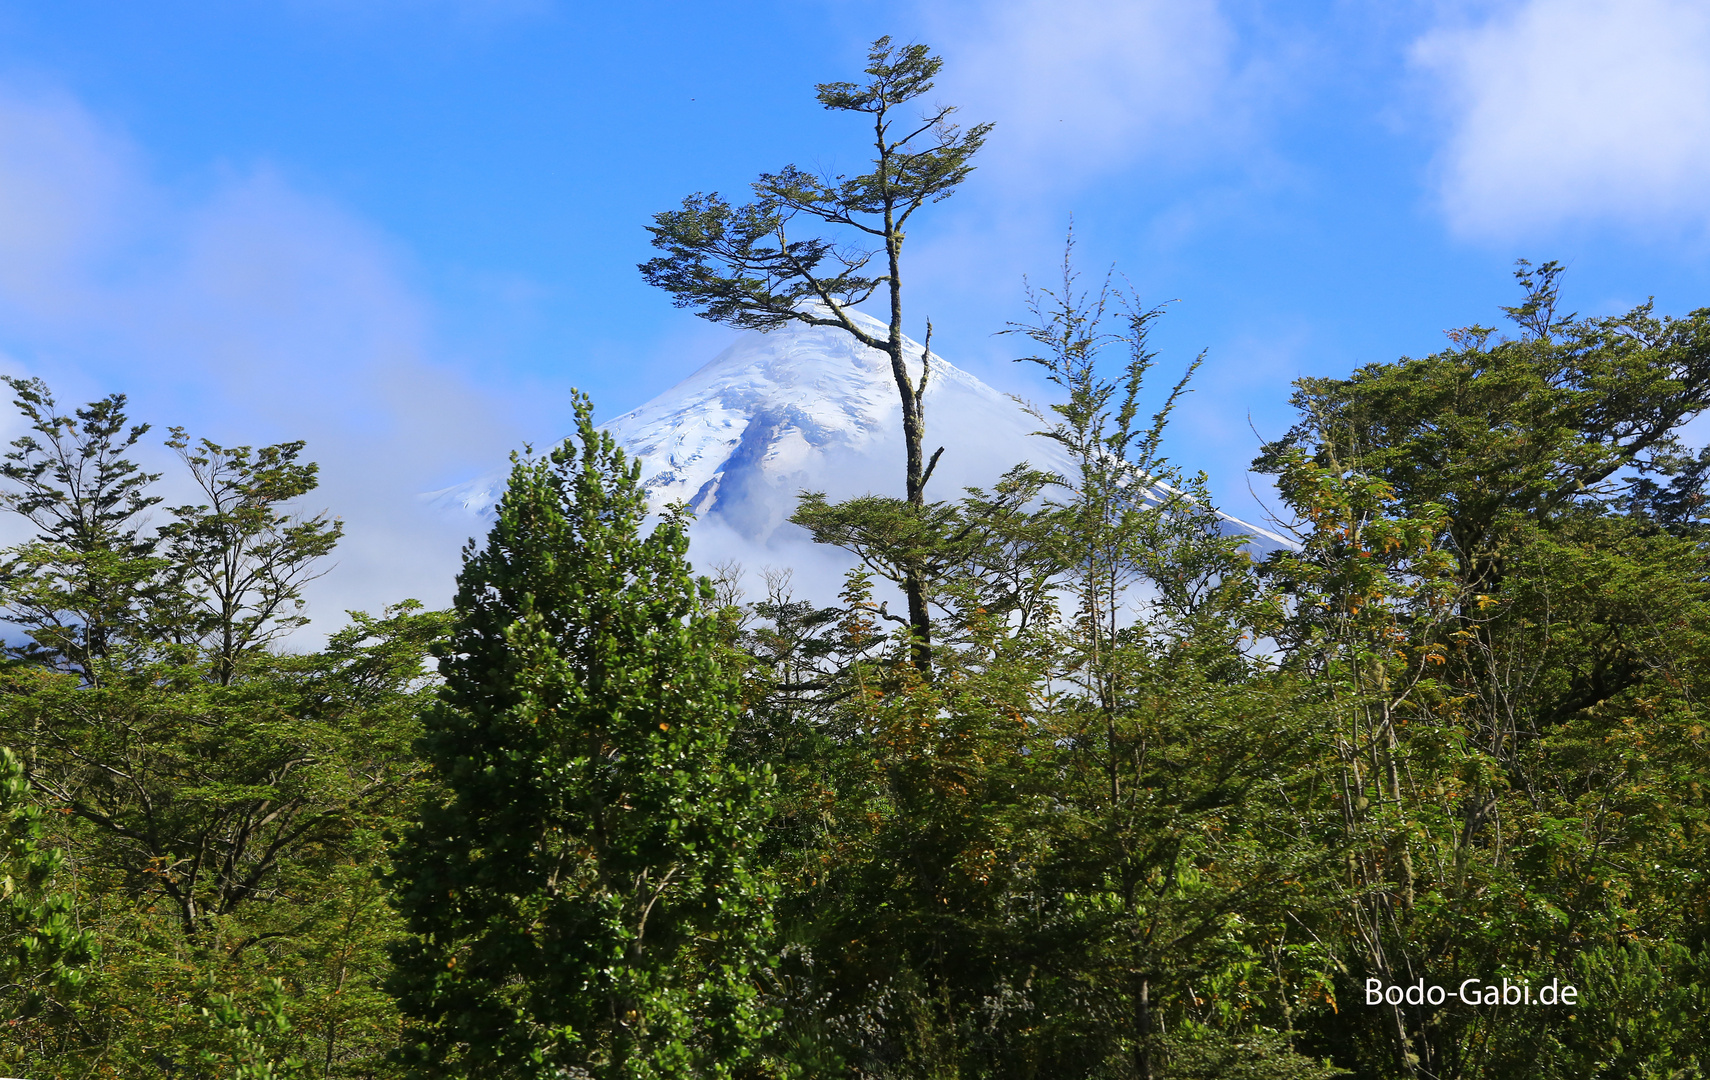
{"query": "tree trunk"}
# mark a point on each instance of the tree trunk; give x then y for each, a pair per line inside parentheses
(1143, 1030)
(914, 437)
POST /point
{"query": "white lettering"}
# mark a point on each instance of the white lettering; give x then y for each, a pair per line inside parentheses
(1473, 991)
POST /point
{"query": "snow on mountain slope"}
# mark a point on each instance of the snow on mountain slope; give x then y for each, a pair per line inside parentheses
(807, 408)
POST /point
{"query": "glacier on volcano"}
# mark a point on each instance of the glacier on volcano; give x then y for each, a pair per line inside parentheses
(806, 408)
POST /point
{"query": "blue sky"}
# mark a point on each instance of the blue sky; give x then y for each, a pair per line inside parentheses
(404, 229)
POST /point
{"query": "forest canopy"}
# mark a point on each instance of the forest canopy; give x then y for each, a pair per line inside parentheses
(1158, 808)
(1121, 795)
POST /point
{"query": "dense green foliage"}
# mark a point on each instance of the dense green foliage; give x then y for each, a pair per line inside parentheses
(1163, 812)
(581, 896)
(1156, 809)
(1502, 599)
(1076, 848)
(45, 956)
(1121, 797)
(218, 808)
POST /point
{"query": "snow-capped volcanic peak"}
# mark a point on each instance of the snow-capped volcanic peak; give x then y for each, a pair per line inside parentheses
(801, 403)
(768, 400)
(807, 408)
(802, 408)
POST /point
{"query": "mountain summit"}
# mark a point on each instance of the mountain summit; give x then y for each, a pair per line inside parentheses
(805, 408)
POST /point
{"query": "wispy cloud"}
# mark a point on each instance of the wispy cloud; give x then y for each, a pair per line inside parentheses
(1574, 110)
(1079, 87)
(66, 197)
(250, 312)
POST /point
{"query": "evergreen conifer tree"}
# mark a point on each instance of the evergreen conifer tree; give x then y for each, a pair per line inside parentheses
(580, 896)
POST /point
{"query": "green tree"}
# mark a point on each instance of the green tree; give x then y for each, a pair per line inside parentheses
(1175, 744)
(220, 804)
(742, 265)
(582, 898)
(242, 560)
(202, 795)
(1070, 851)
(201, 785)
(1499, 431)
(226, 836)
(1505, 615)
(81, 586)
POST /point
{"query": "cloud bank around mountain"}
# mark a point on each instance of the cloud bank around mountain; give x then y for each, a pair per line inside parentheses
(1573, 111)
(249, 311)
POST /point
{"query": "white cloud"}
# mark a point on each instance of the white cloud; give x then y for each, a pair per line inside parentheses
(65, 196)
(1575, 110)
(1078, 87)
(250, 313)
